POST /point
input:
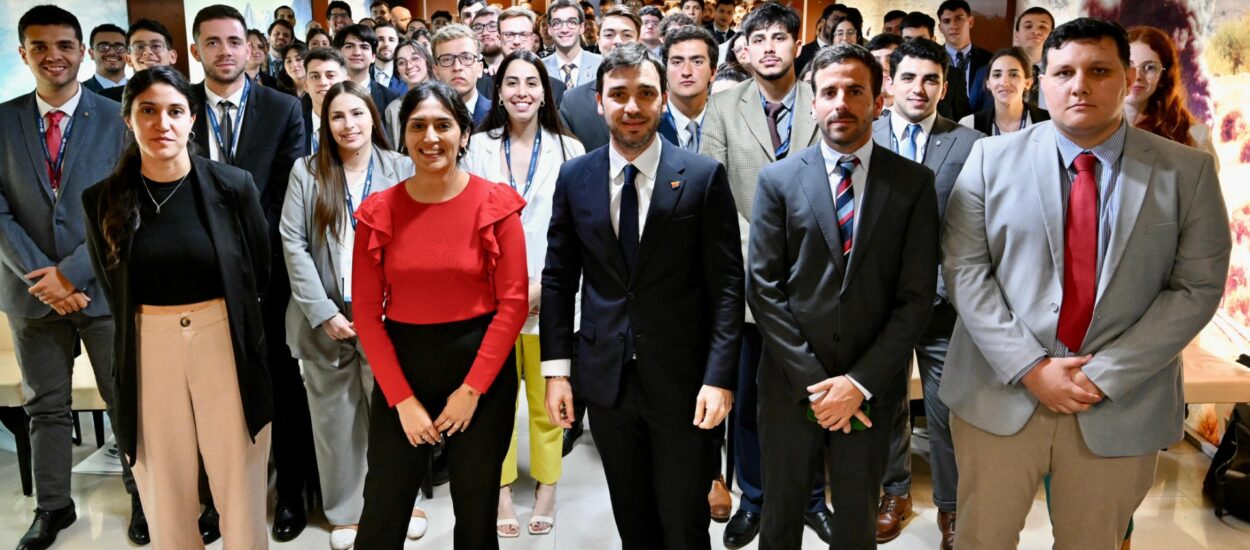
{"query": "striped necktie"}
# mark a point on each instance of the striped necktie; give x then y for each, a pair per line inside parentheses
(845, 202)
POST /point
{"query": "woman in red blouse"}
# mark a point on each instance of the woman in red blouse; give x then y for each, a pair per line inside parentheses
(439, 294)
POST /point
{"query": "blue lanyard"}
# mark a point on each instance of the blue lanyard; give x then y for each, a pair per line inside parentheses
(59, 161)
(364, 194)
(238, 122)
(529, 176)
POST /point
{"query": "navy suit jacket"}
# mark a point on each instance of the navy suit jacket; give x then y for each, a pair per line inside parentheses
(667, 130)
(396, 84)
(683, 300)
(581, 116)
(38, 228)
(482, 109)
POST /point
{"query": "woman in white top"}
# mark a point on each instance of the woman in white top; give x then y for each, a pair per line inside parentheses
(317, 240)
(412, 65)
(523, 145)
(1156, 102)
(1009, 79)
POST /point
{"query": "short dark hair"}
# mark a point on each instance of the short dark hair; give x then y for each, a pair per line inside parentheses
(47, 14)
(107, 27)
(280, 23)
(841, 53)
(308, 36)
(384, 25)
(920, 48)
(324, 54)
(917, 19)
(441, 13)
(652, 11)
(684, 2)
(150, 25)
(338, 4)
(825, 13)
(213, 13)
(632, 54)
(674, 20)
(687, 33)
(379, 2)
(893, 14)
(622, 11)
(882, 41)
(952, 5)
(259, 35)
(562, 4)
(1087, 29)
(361, 32)
(771, 14)
(280, 8)
(445, 95)
(1035, 10)
(729, 3)
(462, 4)
(730, 73)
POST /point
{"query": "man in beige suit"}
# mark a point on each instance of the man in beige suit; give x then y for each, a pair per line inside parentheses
(746, 128)
(1082, 256)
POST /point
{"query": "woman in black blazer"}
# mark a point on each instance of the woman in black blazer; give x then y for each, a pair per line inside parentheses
(1009, 79)
(180, 245)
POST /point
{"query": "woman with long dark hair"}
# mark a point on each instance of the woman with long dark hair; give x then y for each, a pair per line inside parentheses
(293, 76)
(317, 38)
(181, 246)
(1156, 101)
(1009, 80)
(317, 239)
(439, 291)
(522, 143)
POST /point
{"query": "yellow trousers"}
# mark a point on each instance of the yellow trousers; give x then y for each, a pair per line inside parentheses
(546, 439)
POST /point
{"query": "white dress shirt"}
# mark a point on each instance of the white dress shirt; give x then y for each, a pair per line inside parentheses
(898, 125)
(471, 103)
(106, 83)
(236, 115)
(577, 62)
(69, 107)
(681, 121)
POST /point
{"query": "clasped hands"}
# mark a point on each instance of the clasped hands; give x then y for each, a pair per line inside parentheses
(711, 406)
(456, 416)
(839, 404)
(1061, 385)
(55, 291)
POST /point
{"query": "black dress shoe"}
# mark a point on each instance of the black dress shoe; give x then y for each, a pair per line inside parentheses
(210, 524)
(821, 521)
(138, 531)
(47, 524)
(742, 528)
(570, 437)
(440, 474)
(289, 520)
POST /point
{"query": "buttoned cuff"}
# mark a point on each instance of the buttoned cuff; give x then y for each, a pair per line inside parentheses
(557, 367)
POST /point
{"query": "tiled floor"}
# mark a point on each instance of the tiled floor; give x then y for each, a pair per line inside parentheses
(1174, 516)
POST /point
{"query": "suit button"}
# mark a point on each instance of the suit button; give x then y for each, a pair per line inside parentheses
(1054, 308)
(629, 296)
(836, 338)
(638, 338)
(620, 337)
(185, 322)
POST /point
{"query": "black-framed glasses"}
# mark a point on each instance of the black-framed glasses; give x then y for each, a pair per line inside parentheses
(106, 47)
(488, 27)
(340, 15)
(517, 35)
(156, 46)
(558, 23)
(449, 59)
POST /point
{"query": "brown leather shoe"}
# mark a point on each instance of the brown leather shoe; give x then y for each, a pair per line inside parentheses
(718, 500)
(946, 523)
(890, 515)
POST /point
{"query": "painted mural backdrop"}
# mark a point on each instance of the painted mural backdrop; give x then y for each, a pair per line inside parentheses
(17, 78)
(259, 14)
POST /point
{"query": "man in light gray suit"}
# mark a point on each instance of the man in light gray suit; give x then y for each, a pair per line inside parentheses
(57, 141)
(915, 130)
(1083, 255)
(569, 64)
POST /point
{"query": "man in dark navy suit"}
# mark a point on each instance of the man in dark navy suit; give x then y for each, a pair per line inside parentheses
(690, 54)
(359, 47)
(649, 233)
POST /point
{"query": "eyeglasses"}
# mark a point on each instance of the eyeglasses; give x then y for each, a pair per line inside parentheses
(1150, 68)
(489, 27)
(558, 23)
(449, 59)
(156, 47)
(846, 33)
(106, 47)
(518, 35)
(340, 15)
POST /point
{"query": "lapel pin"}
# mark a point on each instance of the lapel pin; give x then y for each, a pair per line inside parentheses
(674, 184)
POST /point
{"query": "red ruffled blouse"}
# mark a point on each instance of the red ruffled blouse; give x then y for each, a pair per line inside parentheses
(420, 263)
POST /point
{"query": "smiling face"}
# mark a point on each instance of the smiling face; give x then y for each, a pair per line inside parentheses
(149, 49)
(772, 51)
(690, 69)
(565, 27)
(845, 33)
(410, 66)
(53, 54)
(388, 38)
(918, 85)
(521, 92)
(844, 106)
(358, 53)
(517, 34)
(322, 74)
(614, 32)
(256, 52)
(1031, 33)
(294, 65)
(319, 41)
(1085, 84)
(109, 52)
(1008, 81)
(1149, 70)
(279, 37)
(433, 137)
(161, 120)
(351, 123)
(631, 103)
(222, 49)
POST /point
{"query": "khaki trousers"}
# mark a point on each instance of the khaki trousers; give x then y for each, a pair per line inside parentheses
(189, 407)
(1092, 497)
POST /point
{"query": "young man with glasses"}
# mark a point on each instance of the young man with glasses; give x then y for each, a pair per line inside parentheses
(339, 14)
(650, 35)
(458, 63)
(516, 28)
(357, 43)
(570, 63)
(486, 26)
(150, 45)
(108, 51)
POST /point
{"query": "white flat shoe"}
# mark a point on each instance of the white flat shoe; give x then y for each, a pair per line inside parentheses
(342, 539)
(417, 526)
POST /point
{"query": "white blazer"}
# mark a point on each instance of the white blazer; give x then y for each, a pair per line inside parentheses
(484, 159)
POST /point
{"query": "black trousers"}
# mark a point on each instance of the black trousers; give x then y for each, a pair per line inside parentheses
(294, 457)
(435, 360)
(793, 448)
(658, 466)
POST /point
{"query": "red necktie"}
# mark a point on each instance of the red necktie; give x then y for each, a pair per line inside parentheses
(53, 138)
(1080, 255)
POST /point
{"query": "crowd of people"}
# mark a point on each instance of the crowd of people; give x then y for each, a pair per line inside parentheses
(647, 213)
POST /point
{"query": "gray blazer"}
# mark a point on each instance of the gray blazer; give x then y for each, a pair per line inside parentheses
(316, 283)
(37, 228)
(1162, 278)
(587, 67)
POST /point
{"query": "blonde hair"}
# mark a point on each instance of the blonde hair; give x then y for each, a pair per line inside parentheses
(454, 31)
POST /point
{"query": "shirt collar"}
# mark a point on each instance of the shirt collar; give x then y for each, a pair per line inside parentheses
(926, 125)
(831, 157)
(471, 103)
(648, 163)
(680, 120)
(68, 107)
(213, 99)
(576, 60)
(106, 83)
(1108, 152)
(952, 51)
(788, 101)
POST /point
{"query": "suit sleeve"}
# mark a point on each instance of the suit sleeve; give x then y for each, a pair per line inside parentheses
(306, 288)
(1185, 306)
(913, 297)
(723, 279)
(561, 278)
(968, 267)
(96, 247)
(289, 150)
(255, 231)
(767, 295)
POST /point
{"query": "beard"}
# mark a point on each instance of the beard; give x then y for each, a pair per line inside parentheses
(634, 143)
(848, 137)
(492, 50)
(212, 72)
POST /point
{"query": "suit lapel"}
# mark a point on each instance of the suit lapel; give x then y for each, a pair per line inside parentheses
(881, 133)
(84, 122)
(815, 183)
(939, 144)
(200, 127)
(752, 113)
(664, 196)
(549, 160)
(802, 127)
(1046, 181)
(876, 195)
(1136, 169)
(30, 129)
(251, 121)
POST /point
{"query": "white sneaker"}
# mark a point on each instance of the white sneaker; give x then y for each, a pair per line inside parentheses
(343, 538)
(417, 526)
